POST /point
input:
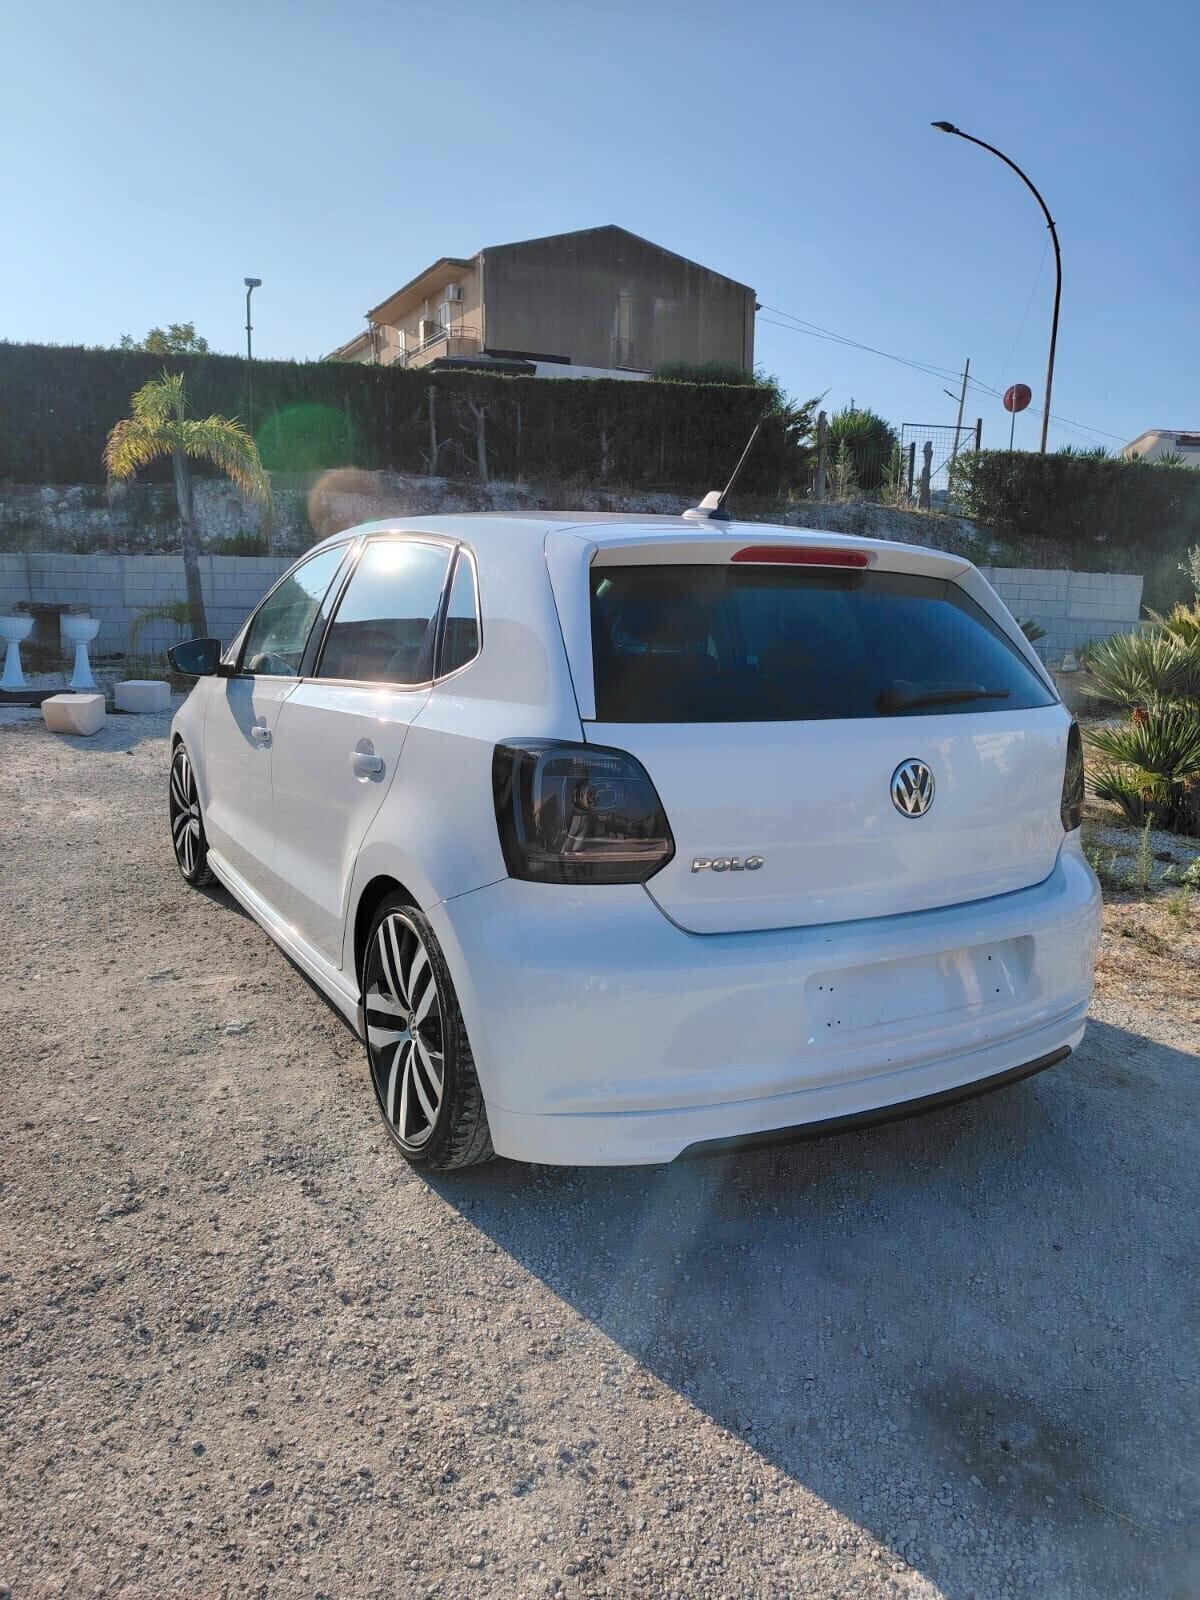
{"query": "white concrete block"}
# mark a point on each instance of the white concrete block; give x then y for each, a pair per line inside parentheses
(143, 694)
(74, 713)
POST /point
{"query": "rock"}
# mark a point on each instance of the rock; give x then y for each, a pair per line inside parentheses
(81, 714)
(141, 695)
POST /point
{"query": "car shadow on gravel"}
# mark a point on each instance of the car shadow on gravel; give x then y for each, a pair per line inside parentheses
(965, 1331)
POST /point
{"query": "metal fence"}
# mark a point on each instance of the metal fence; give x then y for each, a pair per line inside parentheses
(946, 442)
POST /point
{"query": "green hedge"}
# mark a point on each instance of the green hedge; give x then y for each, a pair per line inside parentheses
(1081, 502)
(57, 404)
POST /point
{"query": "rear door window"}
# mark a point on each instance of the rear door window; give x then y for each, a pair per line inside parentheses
(460, 635)
(773, 644)
(382, 631)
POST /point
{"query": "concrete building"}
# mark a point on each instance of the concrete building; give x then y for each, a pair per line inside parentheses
(1158, 442)
(598, 302)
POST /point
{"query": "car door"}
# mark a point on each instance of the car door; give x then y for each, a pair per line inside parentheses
(340, 734)
(243, 710)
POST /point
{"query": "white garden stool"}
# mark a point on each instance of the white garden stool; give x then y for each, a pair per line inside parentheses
(12, 631)
(142, 695)
(80, 632)
(73, 713)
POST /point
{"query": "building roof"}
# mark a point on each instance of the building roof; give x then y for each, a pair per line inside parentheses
(442, 271)
(615, 227)
(347, 351)
(432, 278)
(1188, 434)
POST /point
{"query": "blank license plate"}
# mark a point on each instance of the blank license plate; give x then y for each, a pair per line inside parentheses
(918, 987)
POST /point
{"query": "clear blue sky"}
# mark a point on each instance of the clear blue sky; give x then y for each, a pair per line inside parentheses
(154, 154)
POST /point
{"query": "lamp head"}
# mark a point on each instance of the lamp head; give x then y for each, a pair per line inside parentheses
(944, 127)
(252, 283)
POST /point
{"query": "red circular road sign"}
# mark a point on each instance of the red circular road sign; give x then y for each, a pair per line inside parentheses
(1017, 396)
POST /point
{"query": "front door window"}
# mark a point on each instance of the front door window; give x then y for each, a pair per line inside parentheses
(277, 636)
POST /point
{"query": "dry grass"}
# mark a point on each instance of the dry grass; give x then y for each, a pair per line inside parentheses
(1150, 944)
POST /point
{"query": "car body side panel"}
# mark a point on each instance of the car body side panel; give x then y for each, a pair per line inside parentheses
(323, 807)
(435, 831)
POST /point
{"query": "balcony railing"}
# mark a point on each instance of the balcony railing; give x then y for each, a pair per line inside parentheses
(457, 340)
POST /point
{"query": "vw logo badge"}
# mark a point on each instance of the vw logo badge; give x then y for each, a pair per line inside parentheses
(912, 788)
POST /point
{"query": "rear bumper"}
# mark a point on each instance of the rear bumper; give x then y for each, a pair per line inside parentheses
(872, 1119)
(603, 1034)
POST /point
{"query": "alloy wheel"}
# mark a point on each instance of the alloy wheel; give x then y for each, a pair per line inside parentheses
(186, 833)
(405, 1030)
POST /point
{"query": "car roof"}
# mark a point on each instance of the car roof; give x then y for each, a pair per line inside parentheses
(496, 529)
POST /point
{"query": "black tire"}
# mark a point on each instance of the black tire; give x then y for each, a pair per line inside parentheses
(414, 1029)
(188, 838)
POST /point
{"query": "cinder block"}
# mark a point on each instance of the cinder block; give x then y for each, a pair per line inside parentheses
(74, 713)
(142, 695)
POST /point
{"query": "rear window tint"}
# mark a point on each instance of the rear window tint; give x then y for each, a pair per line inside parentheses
(772, 644)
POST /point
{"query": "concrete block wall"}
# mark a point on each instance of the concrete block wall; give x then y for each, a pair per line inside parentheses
(1073, 607)
(117, 588)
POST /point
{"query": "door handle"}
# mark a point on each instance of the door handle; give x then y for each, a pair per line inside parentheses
(364, 764)
(260, 734)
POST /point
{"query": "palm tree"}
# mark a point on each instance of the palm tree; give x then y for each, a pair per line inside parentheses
(160, 426)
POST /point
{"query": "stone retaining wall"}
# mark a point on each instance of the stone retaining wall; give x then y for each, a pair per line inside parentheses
(1073, 607)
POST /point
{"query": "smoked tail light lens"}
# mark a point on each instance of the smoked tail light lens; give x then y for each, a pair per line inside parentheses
(582, 813)
(1072, 789)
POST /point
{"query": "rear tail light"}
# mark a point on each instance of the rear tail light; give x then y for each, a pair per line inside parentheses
(1072, 789)
(577, 814)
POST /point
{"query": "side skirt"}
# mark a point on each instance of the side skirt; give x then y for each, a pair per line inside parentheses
(327, 978)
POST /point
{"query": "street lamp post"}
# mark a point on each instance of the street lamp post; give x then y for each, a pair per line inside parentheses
(251, 285)
(948, 127)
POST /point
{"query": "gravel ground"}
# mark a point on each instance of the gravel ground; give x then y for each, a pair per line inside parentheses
(248, 1352)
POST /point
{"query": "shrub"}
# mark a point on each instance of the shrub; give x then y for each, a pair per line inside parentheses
(870, 441)
(57, 406)
(703, 372)
(175, 611)
(239, 544)
(1152, 766)
(1182, 623)
(1151, 668)
(1080, 502)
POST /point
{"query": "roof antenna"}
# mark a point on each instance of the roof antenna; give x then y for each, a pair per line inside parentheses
(712, 507)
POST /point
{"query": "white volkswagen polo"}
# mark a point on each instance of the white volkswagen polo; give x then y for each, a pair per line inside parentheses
(617, 837)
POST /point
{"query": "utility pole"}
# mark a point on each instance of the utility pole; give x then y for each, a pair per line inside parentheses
(822, 455)
(962, 400)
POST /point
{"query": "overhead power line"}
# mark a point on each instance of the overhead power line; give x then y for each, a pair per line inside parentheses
(814, 330)
(1037, 278)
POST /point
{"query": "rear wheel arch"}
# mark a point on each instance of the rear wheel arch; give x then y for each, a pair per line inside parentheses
(375, 891)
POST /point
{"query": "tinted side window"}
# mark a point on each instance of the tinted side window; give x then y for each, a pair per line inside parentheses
(276, 637)
(383, 629)
(460, 639)
(776, 644)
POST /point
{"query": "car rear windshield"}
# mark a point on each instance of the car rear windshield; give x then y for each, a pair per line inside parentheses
(777, 644)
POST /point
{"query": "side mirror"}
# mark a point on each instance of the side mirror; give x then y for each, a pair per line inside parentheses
(198, 658)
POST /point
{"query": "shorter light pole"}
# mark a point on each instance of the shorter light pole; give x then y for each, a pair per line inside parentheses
(251, 285)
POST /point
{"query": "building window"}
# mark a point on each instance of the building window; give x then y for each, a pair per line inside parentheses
(623, 343)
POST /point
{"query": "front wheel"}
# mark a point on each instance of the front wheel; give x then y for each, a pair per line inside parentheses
(420, 1059)
(187, 825)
